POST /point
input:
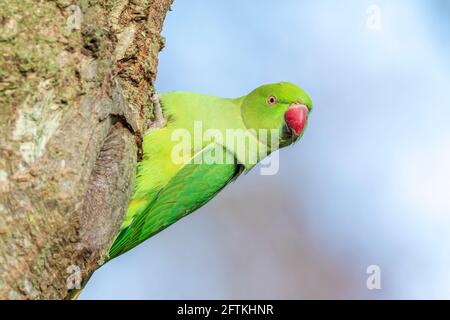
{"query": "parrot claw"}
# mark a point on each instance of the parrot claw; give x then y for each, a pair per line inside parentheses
(159, 120)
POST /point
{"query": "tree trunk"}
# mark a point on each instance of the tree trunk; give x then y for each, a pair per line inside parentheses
(76, 79)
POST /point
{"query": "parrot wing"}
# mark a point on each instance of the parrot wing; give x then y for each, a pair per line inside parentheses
(191, 187)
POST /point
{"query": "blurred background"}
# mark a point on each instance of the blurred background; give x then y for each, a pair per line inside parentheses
(369, 183)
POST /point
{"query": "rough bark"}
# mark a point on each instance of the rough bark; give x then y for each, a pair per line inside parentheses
(76, 79)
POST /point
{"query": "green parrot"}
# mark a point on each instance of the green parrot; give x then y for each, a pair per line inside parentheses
(205, 143)
(201, 149)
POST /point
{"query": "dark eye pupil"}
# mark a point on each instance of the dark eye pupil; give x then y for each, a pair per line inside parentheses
(272, 100)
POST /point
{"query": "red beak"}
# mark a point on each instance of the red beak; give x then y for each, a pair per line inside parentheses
(296, 117)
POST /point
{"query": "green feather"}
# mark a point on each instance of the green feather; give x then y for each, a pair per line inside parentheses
(167, 191)
(176, 200)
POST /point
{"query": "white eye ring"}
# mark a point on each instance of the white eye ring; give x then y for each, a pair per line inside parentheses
(272, 100)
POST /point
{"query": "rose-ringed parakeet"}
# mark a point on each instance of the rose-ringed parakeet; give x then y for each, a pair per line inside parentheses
(175, 177)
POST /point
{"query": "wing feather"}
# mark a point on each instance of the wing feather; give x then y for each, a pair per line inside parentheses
(190, 188)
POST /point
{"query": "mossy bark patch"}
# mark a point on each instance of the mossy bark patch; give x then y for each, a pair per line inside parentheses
(75, 82)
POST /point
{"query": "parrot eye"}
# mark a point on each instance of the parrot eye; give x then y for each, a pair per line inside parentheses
(271, 100)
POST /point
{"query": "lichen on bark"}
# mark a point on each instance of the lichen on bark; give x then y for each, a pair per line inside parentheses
(76, 79)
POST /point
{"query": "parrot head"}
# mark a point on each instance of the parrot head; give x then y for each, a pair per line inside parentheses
(282, 106)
